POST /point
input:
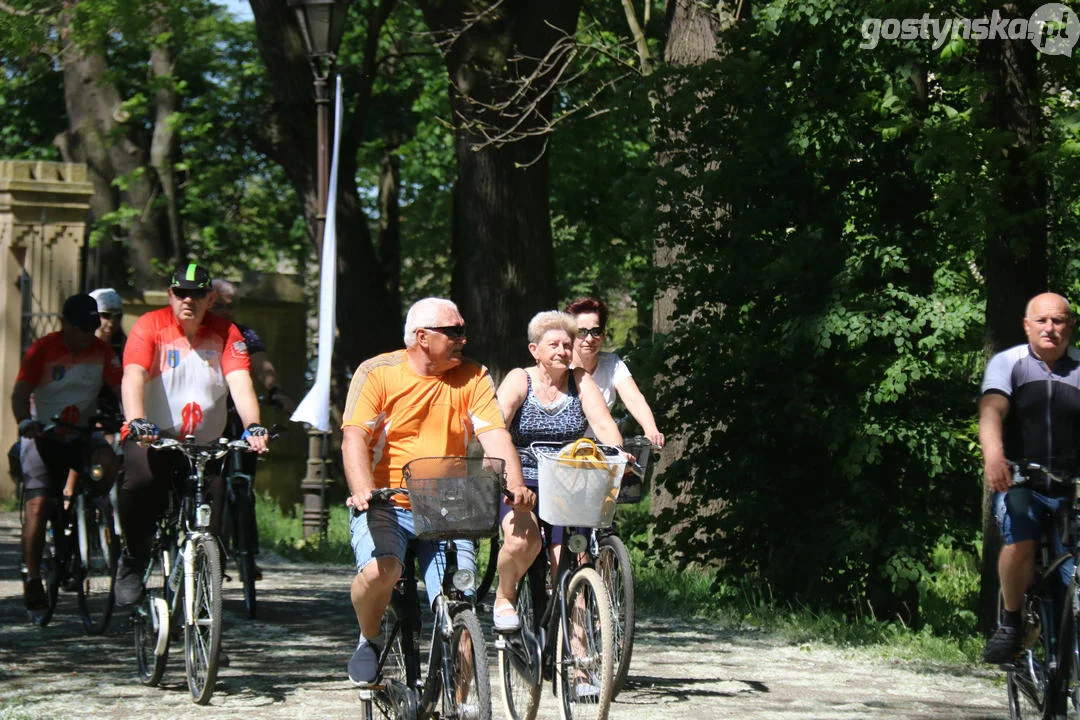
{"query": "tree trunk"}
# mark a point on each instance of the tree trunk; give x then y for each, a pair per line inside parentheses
(164, 144)
(367, 317)
(501, 63)
(693, 31)
(98, 137)
(1015, 262)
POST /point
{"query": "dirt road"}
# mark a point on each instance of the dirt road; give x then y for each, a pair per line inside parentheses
(290, 663)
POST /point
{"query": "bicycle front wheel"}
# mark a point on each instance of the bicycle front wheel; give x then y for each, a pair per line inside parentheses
(151, 623)
(98, 553)
(50, 575)
(202, 631)
(584, 659)
(244, 549)
(613, 564)
(467, 695)
(487, 560)
(519, 659)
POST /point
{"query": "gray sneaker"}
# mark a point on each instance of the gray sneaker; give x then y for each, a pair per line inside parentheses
(128, 588)
(363, 666)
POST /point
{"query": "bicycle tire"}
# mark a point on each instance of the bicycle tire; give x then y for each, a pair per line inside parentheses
(1027, 679)
(202, 632)
(520, 688)
(244, 550)
(98, 555)
(50, 576)
(151, 624)
(587, 656)
(486, 548)
(613, 564)
(469, 695)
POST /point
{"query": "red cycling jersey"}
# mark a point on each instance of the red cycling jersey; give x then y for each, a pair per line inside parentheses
(66, 385)
(186, 389)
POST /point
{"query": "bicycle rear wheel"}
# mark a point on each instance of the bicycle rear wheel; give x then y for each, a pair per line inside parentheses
(519, 659)
(151, 622)
(202, 632)
(50, 575)
(98, 554)
(584, 661)
(613, 564)
(393, 698)
(468, 696)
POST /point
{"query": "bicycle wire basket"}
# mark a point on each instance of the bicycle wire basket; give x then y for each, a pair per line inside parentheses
(454, 498)
(578, 491)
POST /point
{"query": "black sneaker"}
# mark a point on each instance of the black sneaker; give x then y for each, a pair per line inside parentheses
(34, 594)
(1002, 646)
(129, 583)
(363, 666)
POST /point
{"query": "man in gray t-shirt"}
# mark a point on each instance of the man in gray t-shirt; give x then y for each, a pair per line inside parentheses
(1029, 413)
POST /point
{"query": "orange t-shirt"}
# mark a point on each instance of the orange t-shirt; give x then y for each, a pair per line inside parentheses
(410, 416)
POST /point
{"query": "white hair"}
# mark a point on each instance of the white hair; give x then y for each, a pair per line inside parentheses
(425, 313)
(543, 322)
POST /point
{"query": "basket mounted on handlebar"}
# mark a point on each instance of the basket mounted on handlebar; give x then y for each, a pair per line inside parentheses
(578, 482)
(454, 497)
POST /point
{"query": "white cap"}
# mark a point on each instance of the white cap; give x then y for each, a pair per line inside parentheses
(108, 300)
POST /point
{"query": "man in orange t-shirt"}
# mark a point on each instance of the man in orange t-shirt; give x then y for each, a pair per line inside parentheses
(424, 401)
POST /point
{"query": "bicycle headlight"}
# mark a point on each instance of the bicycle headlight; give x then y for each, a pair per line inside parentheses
(97, 473)
(464, 580)
(576, 543)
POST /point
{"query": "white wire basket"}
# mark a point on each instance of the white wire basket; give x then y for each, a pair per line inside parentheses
(578, 492)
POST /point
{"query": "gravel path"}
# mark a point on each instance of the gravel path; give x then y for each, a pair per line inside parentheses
(289, 663)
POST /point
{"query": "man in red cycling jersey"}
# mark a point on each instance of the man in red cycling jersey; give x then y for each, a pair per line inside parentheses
(60, 377)
(180, 362)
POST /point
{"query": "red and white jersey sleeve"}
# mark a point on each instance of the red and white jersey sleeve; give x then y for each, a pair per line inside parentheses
(186, 390)
(66, 385)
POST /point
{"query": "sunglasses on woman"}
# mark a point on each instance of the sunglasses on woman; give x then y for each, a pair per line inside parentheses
(110, 315)
(586, 332)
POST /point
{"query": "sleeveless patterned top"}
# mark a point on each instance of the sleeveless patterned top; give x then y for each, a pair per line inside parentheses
(562, 422)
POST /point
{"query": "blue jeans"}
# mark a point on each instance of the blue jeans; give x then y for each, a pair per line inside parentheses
(385, 531)
(1023, 514)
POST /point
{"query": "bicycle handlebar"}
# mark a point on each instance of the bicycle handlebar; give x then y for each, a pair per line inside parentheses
(193, 450)
(1020, 478)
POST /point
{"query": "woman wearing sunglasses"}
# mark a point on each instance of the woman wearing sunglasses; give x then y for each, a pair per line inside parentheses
(607, 370)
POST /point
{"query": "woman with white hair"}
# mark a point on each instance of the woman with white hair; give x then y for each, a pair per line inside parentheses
(550, 402)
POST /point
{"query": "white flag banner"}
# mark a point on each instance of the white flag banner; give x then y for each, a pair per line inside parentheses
(314, 409)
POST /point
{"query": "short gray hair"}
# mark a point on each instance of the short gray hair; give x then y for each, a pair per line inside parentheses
(542, 322)
(223, 287)
(425, 313)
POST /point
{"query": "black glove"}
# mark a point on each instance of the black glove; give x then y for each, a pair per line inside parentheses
(29, 428)
(141, 427)
(255, 430)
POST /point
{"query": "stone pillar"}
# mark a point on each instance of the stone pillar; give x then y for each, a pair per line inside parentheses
(43, 213)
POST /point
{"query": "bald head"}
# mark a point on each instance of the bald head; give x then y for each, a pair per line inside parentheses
(1048, 324)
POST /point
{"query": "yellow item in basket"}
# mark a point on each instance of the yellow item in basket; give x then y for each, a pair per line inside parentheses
(583, 452)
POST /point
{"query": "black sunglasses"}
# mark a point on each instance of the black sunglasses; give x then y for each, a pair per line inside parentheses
(450, 331)
(586, 332)
(110, 315)
(184, 293)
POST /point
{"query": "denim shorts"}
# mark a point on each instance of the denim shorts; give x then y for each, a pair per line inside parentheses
(385, 530)
(1023, 514)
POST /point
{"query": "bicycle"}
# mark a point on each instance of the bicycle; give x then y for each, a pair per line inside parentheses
(453, 499)
(81, 548)
(241, 532)
(566, 634)
(1043, 681)
(183, 577)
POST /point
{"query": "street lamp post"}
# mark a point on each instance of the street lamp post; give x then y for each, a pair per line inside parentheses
(322, 24)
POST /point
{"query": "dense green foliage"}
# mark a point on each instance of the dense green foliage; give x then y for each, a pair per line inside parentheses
(834, 206)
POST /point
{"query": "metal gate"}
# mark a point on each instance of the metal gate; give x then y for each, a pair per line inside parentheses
(42, 294)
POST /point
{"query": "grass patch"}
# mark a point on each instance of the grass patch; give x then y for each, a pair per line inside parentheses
(283, 532)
